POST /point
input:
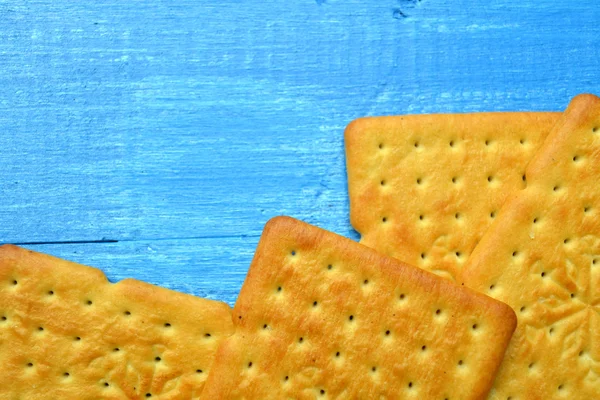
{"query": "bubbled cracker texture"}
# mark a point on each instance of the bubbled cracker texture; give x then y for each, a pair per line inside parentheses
(424, 188)
(67, 333)
(542, 257)
(322, 317)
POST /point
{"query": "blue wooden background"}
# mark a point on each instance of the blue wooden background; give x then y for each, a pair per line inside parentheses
(153, 139)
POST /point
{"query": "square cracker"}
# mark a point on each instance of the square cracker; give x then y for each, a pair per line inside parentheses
(67, 333)
(424, 188)
(542, 257)
(322, 317)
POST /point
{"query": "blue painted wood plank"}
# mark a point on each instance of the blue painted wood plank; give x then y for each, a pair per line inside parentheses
(192, 123)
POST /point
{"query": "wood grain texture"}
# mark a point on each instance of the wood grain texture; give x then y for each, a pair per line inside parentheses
(192, 123)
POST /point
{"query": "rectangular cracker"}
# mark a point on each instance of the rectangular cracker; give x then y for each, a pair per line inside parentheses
(424, 188)
(321, 316)
(542, 257)
(67, 333)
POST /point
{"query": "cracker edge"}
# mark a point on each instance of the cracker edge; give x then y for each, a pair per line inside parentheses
(135, 289)
(571, 119)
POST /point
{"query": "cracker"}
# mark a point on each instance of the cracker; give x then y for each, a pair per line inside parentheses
(321, 316)
(542, 257)
(67, 333)
(424, 188)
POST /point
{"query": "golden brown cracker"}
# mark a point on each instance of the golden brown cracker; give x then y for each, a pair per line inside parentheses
(67, 333)
(542, 257)
(322, 317)
(424, 188)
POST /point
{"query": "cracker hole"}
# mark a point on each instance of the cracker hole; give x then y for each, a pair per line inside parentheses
(384, 219)
(410, 384)
(531, 365)
(575, 158)
(286, 378)
(423, 256)
(337, 354)
(421, 217)
(423, 348)
(551, 331)
(116, 349)
(460, 362)
(250, 364)
(515, 253)
(594, 261)
(522, 141)
(416, 144)
(566, 241)
(457, 215)
(524, 178)
(493, 214)
(475, 327)
(148, 395)
(419, 181)
(322, 392)
(127, 313)
(454, 179)
(522, 309)
(293, 252)
(207, 335)
(490, 178)
(351, 318)
(66, 374)
(543, 274)
(535, 220)
(374, 369)
(457, 254)
(30, 365)
(41, 328)
(301, 340)
(581, 353)
(3, 318)
(387, 333)
(492, 287)
(381, 145)
(572, 295)
(157, 359)
(382, 182)
(586, 209)
(594, 129)
(106, 384)
(265, 326)
(198, 371)
(168, 325)
(366, 282)
(77, 338)
(451, 143)
(556, 188)
(438, 311)
(487, 142)
(561, 387)
(51, 293)
(402, 296)
(14, 282)
(89, 302)
(330, 267)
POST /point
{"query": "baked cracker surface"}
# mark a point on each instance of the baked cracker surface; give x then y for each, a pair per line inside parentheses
(542, 257)
(67, 333)
(322, 317)
(424, 188)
